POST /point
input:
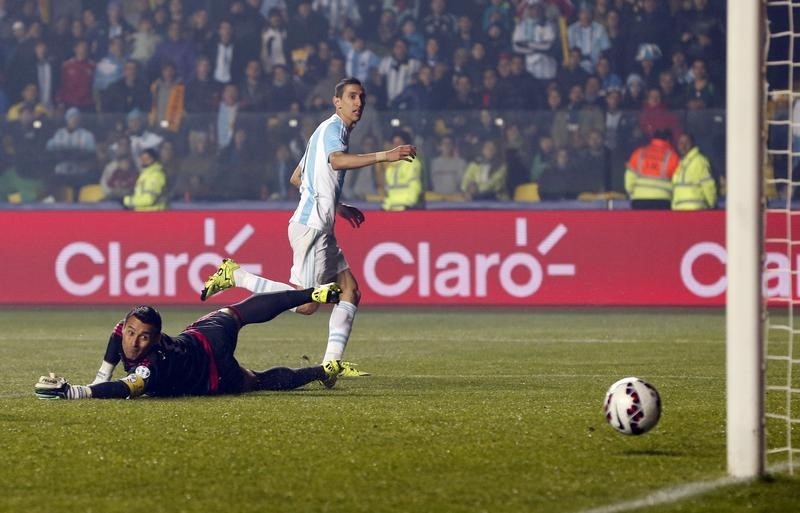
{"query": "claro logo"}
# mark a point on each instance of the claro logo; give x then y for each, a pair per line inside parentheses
(776, 279)
(142, 273)
(454, 274)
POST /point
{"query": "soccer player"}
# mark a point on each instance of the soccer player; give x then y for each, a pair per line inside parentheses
(317, 256)
(200, 360)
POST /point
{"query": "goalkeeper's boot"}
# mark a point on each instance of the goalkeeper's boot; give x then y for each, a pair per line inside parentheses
(51, 387)
(332, 370)
(328, 293)
(335, 369)
(220, 280)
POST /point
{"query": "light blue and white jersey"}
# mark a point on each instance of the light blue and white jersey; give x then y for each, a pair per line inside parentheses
(321, 185)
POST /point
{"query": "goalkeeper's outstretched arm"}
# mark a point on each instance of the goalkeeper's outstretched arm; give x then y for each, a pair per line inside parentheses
(57, 387)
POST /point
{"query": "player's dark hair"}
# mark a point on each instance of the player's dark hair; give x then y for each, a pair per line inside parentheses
(147, 315)
(339, 90)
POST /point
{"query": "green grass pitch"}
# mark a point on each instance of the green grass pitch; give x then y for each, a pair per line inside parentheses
(466, 411)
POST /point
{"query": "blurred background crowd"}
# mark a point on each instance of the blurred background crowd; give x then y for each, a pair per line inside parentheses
(497, 94)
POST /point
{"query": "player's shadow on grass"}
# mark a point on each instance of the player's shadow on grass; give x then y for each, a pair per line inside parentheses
(652, 452)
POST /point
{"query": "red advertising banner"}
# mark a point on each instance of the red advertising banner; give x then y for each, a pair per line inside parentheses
(409, 258)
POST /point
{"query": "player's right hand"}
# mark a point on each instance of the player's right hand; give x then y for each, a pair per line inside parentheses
(51, 387)
(407, 152)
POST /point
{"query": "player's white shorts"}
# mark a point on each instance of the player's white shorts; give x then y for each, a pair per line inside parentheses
(317, 258)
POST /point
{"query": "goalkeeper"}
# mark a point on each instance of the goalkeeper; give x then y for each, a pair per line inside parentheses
(200, 360)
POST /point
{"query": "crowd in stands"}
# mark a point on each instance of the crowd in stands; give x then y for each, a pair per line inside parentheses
(495, 93)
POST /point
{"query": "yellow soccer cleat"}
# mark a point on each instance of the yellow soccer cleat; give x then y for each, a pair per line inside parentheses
(220, 280)
(328, 293)
(332, 370)
(349, 371)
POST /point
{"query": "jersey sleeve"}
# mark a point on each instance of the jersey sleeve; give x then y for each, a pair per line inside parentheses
(114, 347)
(333, 140)
(133, 385)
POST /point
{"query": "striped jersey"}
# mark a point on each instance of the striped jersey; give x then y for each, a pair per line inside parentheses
(320, 184)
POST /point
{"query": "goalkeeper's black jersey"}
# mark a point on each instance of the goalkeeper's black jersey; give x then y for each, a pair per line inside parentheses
(175, 366)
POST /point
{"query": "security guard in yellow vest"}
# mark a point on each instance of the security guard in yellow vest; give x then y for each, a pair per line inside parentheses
(693, 186)
(648, 177)
(403, 180)
(150, 191)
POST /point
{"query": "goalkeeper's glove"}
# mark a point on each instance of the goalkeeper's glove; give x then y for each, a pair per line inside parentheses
(57, 387)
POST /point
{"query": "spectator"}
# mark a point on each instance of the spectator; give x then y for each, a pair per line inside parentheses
(241, 174)
(110, 68)
(552, 121)
(620, 137)
(433, 52)
(120, 173)
(19, 53)
(73, 149)
(253, 90)
(693, 186)
(128, 93)
(279, 170)
(439, 23)
(561, 179)
(656, 117)
(701, 86)
(648, 177)
(543, 158)
(30, 101)
(144, 42)
(646, 60)
(273, 42)
(227, 114)
(497, 12)
(202, 91)
(465, 35)
(672, 97)
(77, 75)
(589, 36)
(397, 69)
(305, 27)
(647, 26)
(485, 177)
(168, 93)
(96, 35)
(139, 136)
(447, 168)
(28, 136)
(339, 14)
(326, 84)
(464, 98)
(582, 117)
(403, 180)
(617, 38)
(176, 50)
(386, 30)
(488, 95)
(496, 42)
(608, 79)
(360, 60)
(150, 191)
(199, 31)
(225, 55)
(196, 175)
(680, 69)
(633, 98)
(247, 23)
(594, 164)
(283, 90)
(477, 62)
(419, 95)
(571, 74)
(414, 39)
(116, 26)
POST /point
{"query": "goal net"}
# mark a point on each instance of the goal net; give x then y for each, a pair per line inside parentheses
(781, 136)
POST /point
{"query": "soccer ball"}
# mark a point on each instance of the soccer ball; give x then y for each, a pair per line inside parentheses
(632, 406)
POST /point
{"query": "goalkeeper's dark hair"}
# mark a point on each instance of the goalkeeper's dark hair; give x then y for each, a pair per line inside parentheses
(339, 89)
(147, 315)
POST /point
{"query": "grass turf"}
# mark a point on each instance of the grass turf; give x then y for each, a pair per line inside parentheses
(467, 411)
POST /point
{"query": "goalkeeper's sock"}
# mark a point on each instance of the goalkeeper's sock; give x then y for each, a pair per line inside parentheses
(284, 378)
(79, 392)
(264, 307)
(339, 327)
(258, 284)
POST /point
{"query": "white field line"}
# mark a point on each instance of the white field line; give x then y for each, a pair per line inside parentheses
(678, 493)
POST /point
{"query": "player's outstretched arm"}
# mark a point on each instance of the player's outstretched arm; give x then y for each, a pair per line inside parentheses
(341, 160)
(57, 387)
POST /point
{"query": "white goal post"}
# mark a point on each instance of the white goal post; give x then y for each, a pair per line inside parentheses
(744, 240)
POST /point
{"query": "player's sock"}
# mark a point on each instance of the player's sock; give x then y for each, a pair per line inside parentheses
(258, 284)
(339, 327)
(284, 378)
(264, 307)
